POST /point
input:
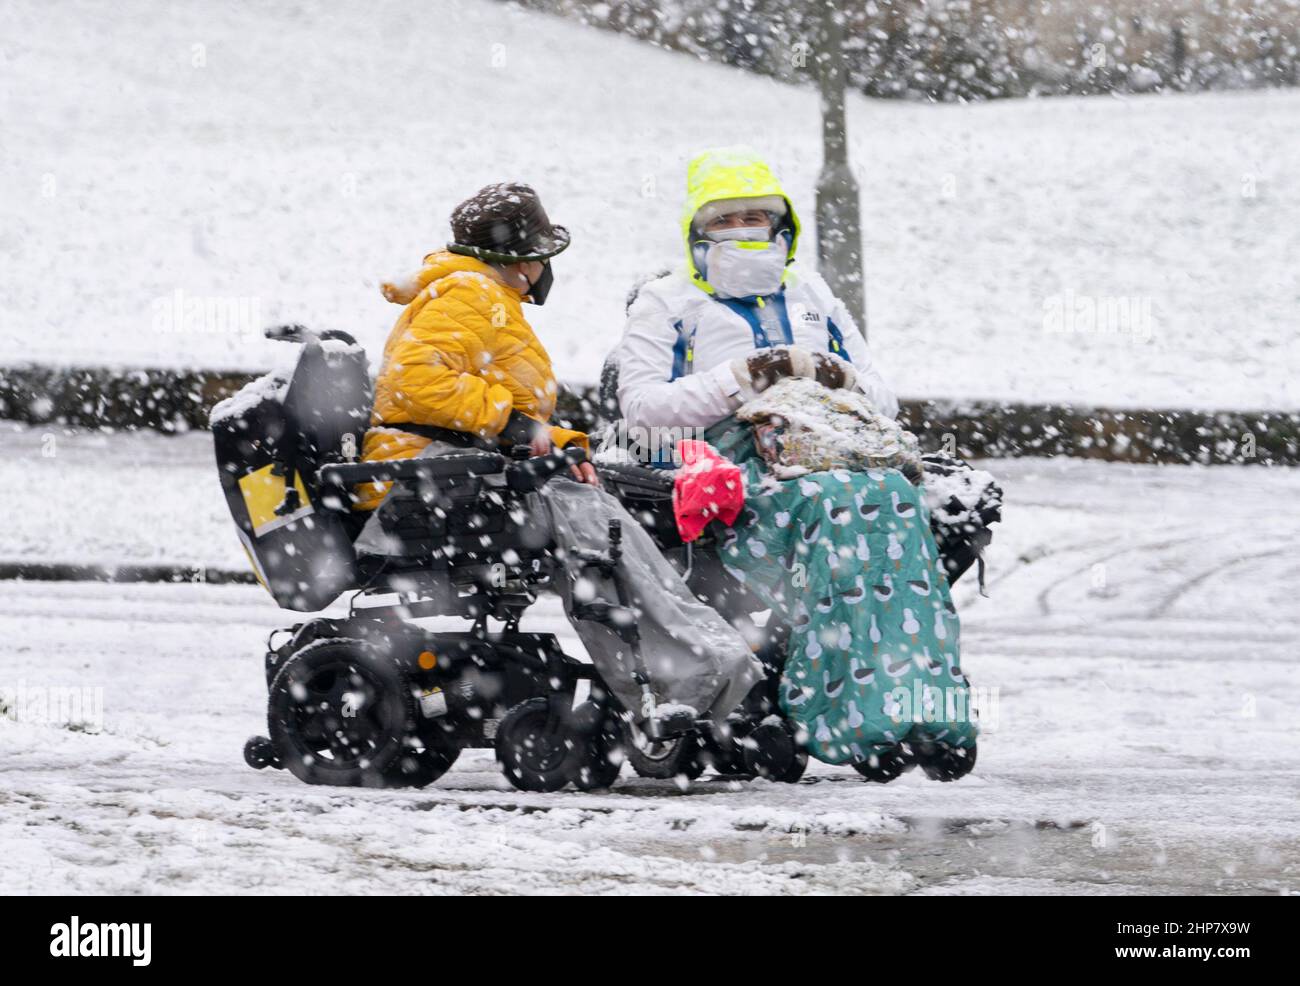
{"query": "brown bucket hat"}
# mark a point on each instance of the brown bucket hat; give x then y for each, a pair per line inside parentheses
(506, 224)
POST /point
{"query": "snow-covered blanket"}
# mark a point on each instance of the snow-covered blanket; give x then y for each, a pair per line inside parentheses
(804, 427)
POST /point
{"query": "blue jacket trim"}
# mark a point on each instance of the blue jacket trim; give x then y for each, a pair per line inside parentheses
(679, 352)
(748, 310)
(836, 343)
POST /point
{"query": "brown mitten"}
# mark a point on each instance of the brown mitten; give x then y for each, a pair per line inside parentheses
(760, 370)
(834, 373)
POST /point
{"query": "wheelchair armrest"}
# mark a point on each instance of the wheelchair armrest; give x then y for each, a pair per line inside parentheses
(527, 475)
(469, 463)
(632, 480)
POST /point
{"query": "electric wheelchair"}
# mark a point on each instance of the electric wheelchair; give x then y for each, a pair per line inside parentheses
(371, 698)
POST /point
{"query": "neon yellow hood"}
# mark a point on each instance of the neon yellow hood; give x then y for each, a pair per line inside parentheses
(728, 173)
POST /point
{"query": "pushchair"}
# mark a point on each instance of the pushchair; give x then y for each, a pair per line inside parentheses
(373, 699)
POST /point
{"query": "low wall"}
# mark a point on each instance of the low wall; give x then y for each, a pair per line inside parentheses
(179, 400)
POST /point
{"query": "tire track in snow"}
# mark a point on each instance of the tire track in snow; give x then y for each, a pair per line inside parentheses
(1044, 596)
(1165, 605)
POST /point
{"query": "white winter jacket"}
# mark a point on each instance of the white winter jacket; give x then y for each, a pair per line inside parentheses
(674, 361)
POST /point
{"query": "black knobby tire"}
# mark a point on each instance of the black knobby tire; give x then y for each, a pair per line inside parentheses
(605, 754)
(340, 714)
(945, 763)
(535, 753)
(887, 765)
(725, 755)
(428, 755)
(665, 759)
(772, 751)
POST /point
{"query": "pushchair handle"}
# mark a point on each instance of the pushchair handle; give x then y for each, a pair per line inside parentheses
(300, 333)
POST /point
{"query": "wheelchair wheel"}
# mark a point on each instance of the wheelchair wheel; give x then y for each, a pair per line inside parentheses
(259, 753)
(887, 765)
(726, 758)
(604, 760)
(340, 714)
(772, 752)
(663, 759)
(424, 759)
(535, 752)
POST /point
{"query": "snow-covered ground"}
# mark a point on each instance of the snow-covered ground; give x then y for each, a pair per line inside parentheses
(1141, 632)
(280, 158)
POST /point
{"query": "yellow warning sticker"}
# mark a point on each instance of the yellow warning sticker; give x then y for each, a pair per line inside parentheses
(264, 493)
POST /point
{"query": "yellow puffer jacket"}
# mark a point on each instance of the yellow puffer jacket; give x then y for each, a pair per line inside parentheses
(461, 356)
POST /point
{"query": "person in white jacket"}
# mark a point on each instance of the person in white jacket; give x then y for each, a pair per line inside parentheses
(845, 560)
(740, 313)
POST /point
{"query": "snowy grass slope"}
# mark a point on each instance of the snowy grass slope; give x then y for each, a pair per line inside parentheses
(318, 148)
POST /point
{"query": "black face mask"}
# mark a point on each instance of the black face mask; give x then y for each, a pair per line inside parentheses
(540, 288)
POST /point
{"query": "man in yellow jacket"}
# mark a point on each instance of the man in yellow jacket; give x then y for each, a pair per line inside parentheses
(463, 367)
(462, 364)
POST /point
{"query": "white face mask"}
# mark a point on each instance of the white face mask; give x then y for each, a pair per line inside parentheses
(748, 234)
(741, 266)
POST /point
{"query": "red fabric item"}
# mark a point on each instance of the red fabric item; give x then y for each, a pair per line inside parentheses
(707, 486)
